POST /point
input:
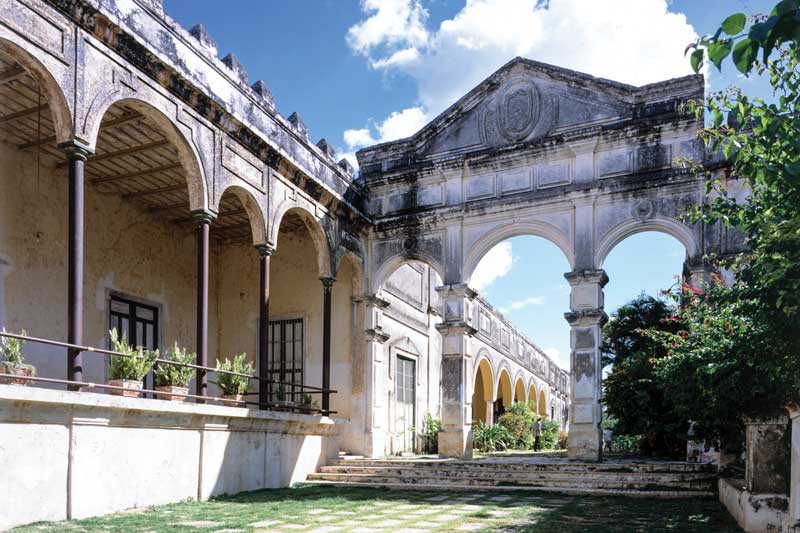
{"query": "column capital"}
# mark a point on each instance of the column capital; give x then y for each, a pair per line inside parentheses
(455, 328)
(376, 335)
(201, 216)
(456, 290)
(265, 250)
(328, 282)
(586, 316)
(75, 151)
(794, 410)
(577, 277)
(372, 300)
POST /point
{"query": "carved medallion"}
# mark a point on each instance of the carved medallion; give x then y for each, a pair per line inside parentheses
(520, 111)
(643, 210)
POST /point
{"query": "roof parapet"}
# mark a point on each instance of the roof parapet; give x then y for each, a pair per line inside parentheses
(233, 63)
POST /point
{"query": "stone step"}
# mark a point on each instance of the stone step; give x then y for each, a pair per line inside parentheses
(575, 482)
(459, 473)
(504, 488)
(484, 465)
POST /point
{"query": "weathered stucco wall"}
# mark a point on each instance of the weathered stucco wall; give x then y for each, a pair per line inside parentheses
(106, 454)
(127, 250)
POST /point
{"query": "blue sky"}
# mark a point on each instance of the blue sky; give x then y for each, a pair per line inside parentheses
(360, 72)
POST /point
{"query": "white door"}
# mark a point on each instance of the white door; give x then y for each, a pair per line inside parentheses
(405, 393)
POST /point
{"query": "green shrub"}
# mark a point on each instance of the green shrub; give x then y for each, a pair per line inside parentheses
(519, 421)
(231, 383)
(550, 432)
(11, 353)
(167, 375)
(133, 366)
(626, 443)
(563, 440)
(431, 427)
(494, 438)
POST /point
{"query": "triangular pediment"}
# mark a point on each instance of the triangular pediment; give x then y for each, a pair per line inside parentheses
(523, 101)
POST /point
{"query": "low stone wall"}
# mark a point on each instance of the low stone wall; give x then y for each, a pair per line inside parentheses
(753, 512)
(77, 454)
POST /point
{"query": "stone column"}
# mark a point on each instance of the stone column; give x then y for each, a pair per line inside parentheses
(264, 387)
(586, 319)
(489, 412)
(203, 220)
(375, 378)
(327, 287)
(793, 520)
(455, 439)
(767, 462)
(76, 156)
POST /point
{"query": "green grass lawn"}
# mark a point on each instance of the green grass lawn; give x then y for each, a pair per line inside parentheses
(326, 509)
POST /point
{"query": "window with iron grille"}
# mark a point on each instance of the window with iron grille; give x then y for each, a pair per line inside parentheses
(286, 350)
(137, 321)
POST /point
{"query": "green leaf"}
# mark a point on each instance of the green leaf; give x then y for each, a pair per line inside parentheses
(719, 51)
(760, 31)
(793, 168)
(744, 53)
(696, 60)
(734, 24)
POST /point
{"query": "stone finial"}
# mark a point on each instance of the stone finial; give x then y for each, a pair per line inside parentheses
(345, 165)
(199, 32)
(233, 63)
(326, 148)
(264, 94)
(298, 123)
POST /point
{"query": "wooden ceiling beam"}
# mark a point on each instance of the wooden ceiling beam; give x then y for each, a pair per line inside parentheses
(12, 74)
(23, 114)
(160, 190)
(137, 174)
(122, 153)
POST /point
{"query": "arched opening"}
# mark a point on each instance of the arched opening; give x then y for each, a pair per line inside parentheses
(405, 304)
(542, 404)
(34, 118)
(523, 279)
(532, 397)
(519, 391)
(483, 393)
(505, 394)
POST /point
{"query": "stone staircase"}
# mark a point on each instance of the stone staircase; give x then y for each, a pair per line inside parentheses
(628, 478)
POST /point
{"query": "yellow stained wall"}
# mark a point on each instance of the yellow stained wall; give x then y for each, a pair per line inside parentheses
(127, 249)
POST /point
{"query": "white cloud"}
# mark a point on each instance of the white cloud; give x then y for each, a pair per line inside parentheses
(631, 41)
(495, 264)
(396, 126)
(560, 359)
(516, 305)
(394, 28)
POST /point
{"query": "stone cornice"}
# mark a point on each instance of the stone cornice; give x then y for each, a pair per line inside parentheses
(456, 328)
(587, 276)
(586, 316)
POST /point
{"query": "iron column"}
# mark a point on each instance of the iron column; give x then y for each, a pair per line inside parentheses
(327, 286)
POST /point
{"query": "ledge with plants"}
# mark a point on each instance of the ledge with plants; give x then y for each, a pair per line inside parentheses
(13, 362)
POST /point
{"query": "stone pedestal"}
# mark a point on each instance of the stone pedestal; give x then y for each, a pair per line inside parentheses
(586, 319)
(455, 439)
(767, 465)
(793, 520)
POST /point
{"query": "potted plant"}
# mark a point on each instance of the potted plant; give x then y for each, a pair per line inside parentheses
(308, 403)
(128, 371)
(12, 361)
(171, 380)
(281, 403)
(234, 387)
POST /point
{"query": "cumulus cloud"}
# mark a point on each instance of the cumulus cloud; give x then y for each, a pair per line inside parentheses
(397, 125)
(495, 264)
(631, 41)
(559, 358)
(516, 305)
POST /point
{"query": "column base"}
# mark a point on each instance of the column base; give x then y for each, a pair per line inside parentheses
(585, 443)
(455, 442)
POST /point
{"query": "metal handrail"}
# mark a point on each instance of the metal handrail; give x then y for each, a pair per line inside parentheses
(304, 389)
(315, 390)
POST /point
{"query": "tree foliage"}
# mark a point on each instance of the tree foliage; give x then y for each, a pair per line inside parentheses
(633, 395)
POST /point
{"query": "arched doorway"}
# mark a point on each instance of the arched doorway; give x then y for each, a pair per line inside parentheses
(519, 391)
(542, 404)
(505, 394)
(483, 394)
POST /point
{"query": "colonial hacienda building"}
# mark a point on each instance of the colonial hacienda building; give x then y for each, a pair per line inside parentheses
(148, 186)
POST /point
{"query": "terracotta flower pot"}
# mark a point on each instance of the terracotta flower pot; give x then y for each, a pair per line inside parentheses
(168, 392)
(132, 388)
(231, 400)
(22, 372)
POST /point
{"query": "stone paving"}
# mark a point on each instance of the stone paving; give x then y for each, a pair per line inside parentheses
(326, 509)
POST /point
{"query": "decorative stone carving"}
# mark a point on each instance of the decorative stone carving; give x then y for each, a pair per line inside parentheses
(521, 111)
(643, 210)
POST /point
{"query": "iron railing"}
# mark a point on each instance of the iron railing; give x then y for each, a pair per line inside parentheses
(270, 383)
